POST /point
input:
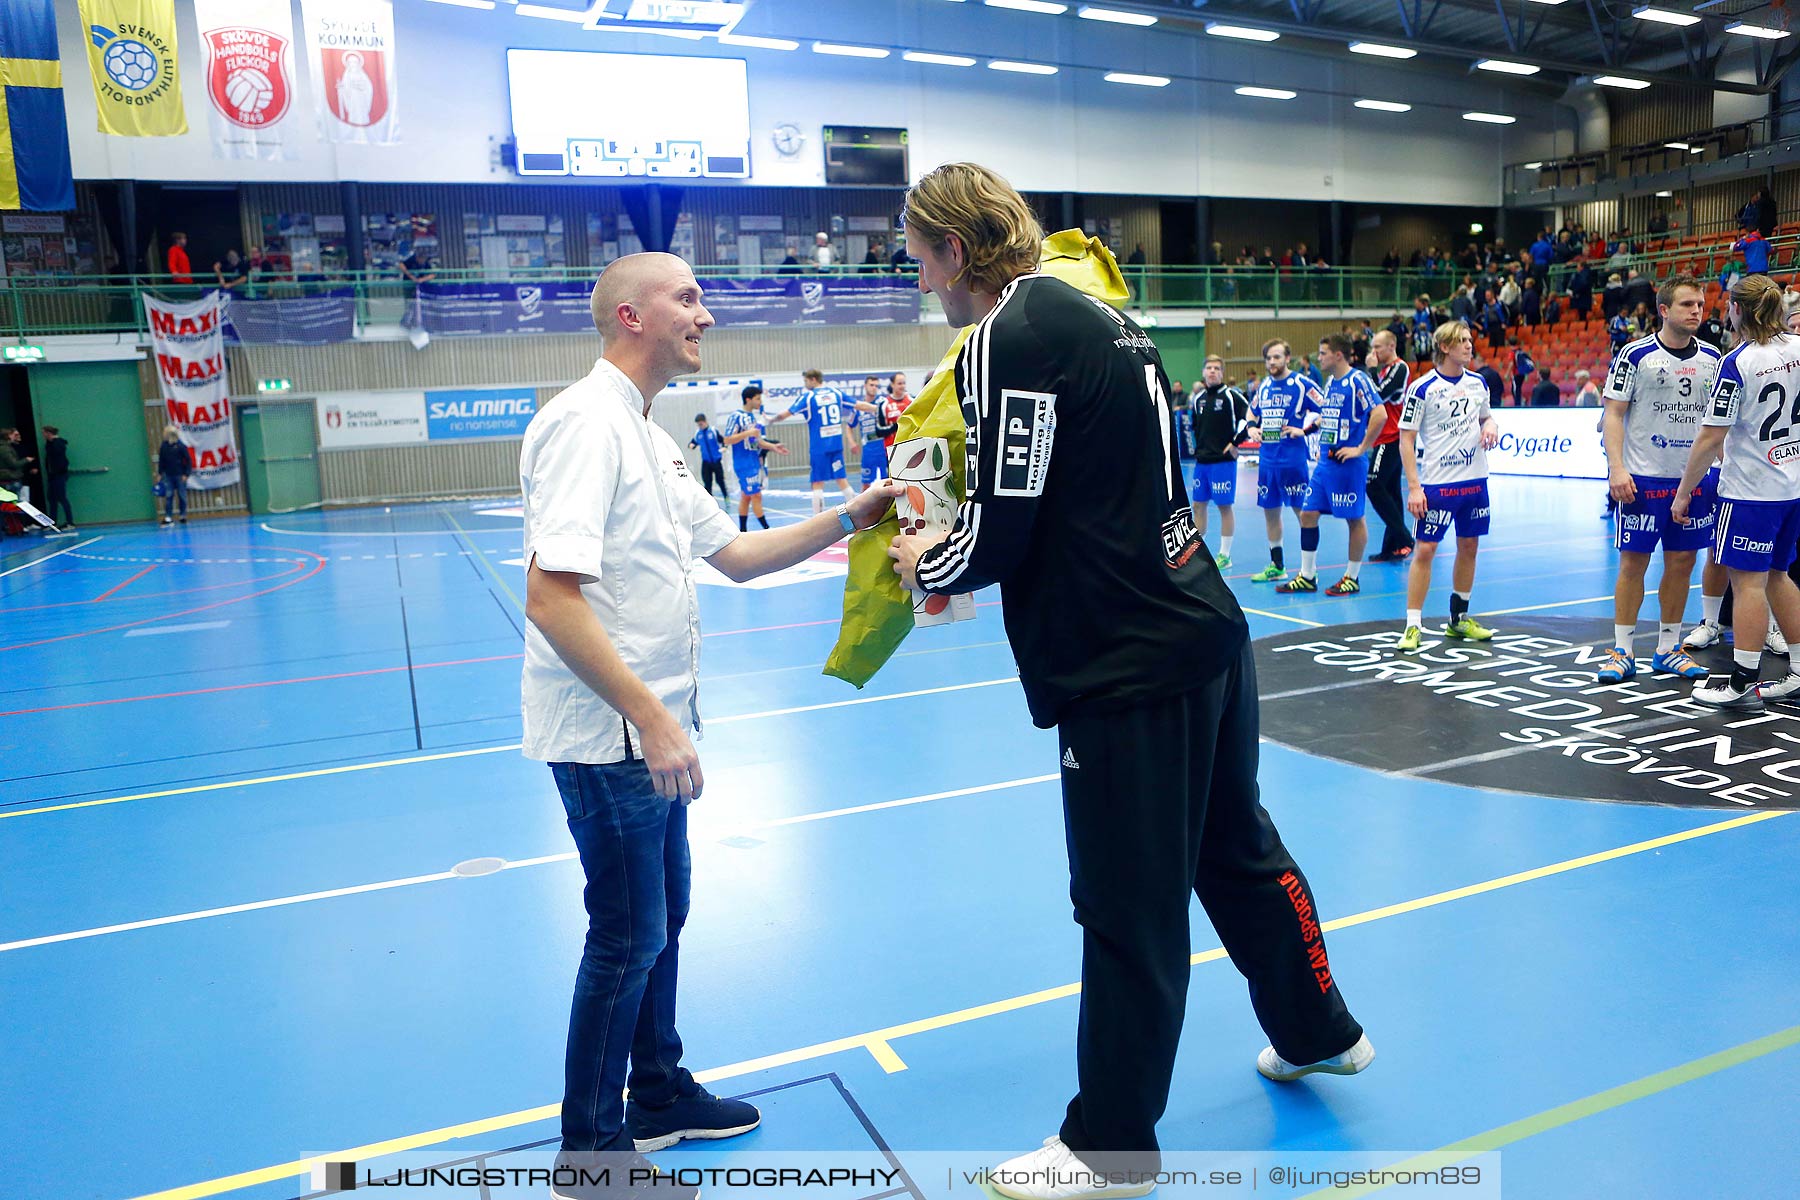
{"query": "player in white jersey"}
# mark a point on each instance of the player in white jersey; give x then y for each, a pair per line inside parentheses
(1655, 392)
(1751, 422)
(1446, 431)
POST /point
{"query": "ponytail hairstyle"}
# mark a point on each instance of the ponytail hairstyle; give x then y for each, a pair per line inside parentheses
(1001, 237)
(1760, 309)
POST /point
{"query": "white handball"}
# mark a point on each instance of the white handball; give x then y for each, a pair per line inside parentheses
(248, 90)
(130, 64)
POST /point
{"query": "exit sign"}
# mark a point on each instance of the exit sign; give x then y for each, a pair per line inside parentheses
(23, 354)
(265, 386)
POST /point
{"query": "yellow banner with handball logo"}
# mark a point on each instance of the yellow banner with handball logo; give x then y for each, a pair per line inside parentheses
(131, 58)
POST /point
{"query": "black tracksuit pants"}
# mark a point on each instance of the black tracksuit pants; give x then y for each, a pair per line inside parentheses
(1385, 494)
(1164, 806)
(711, 473)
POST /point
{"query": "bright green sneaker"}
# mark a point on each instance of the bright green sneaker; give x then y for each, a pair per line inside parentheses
(1299, 583)
(1223, 562)
(1469, 630)
(1409, 641)
(1268, 574)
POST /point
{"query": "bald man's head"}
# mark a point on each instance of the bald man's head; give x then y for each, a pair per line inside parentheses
(648, 310)
(634, 280)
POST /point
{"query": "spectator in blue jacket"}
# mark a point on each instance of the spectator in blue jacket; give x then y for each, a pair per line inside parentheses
(1755, 249)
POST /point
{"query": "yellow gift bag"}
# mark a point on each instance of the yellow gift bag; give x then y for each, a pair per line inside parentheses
(877, 614)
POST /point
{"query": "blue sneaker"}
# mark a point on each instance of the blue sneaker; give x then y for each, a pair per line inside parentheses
(697, 1115)
(1677, 662)
(1619, 666)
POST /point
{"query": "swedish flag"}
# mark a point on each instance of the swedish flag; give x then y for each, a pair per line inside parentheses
(34, 130)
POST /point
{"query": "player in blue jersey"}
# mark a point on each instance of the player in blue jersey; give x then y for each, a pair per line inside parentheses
(1350, 416)
(743, 433)
(823, 409)
(712, 456)
(871, 430)
(1281, 411)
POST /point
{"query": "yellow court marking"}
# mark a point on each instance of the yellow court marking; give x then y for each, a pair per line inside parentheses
(1576, 1110)
(482, 555)
(884, 1054)
(884, 1037)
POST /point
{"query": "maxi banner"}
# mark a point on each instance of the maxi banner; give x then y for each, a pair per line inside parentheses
(293, 321)
(189, 344)
(452, 309)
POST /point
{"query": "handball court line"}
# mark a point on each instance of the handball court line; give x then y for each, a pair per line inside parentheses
(727, 829)
(877, 1043)
(1576, 1110)
(46, 558)
(451, 754)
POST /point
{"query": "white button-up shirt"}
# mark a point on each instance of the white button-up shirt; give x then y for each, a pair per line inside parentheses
(608, 497)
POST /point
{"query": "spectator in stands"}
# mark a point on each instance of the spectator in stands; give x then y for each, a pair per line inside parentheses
(876, 255)
(1523, 366)
(1545, 394)
(1510, 294)
(901, 261)
(1495, 385)
(1267, 257)
(1136, 257)
(174, 463)
(823, 253)
(1759, 214)
(1542, 251)
(56, 478)
(1586, 394)
(1531, 305)
(791, 264)
(1581, 288)
(1643, 322)
(1362, 341)
(1462, 306)
(1659, 223)
(1310, 369)
(13, 465)
(1712, 330)
(1619, 330)
(1620, 260)
(1566, 247)
(1754, 248)
(1397, 327)
(1612, 300)
(1390, 262)
(1640, 290)
(1493, 318)
(231, 271)
(179, 266)
(417, 267)
(1422, 328)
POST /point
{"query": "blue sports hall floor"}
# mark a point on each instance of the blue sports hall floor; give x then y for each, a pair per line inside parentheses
(242, 758)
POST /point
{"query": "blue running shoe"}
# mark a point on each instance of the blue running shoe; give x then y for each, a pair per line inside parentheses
(1619, 666)
(1677, 662)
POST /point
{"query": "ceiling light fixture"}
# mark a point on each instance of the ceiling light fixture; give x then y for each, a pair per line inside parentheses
(1021, 68)
(1264, 93)
(1378, 50)
(942, 60)
(1220, 29)
(1139, 80)
(1383, 106)
(849, 51)
(1089, 12)
(1664, 16)
(1487, 118)
(1506, 67)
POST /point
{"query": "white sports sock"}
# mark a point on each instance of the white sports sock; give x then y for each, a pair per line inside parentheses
(1354, 569)
(1747, 660)
(818, 499)
(1622, 636)
(1225, 545)
(1415, 616)
(1275, 542)
(1309, 563)
(1710, 606)
(1668, 637)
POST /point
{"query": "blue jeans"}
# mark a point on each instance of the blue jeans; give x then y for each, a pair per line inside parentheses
(634, 849)
(177, 491)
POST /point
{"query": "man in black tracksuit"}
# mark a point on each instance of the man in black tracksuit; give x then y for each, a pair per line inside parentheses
(1390, 376)
(1129, 643)
(1221, 417)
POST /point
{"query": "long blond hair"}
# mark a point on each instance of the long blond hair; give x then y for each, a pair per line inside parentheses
(1001, 236)
(1444, 336)
(1759, 308)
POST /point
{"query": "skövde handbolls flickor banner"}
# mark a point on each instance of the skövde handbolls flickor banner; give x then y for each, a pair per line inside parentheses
(351, 46)
(189, 343)
(249, 48)
(132, 60)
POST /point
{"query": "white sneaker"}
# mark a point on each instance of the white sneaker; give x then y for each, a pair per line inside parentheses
(1785, 688)
(1052, 1172)
(1718, 692)
(1706, 633)
(1350, 1062)
(1773, 642)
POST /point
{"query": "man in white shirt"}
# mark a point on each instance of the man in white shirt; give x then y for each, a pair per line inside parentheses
(823, 255)
(613, 522)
